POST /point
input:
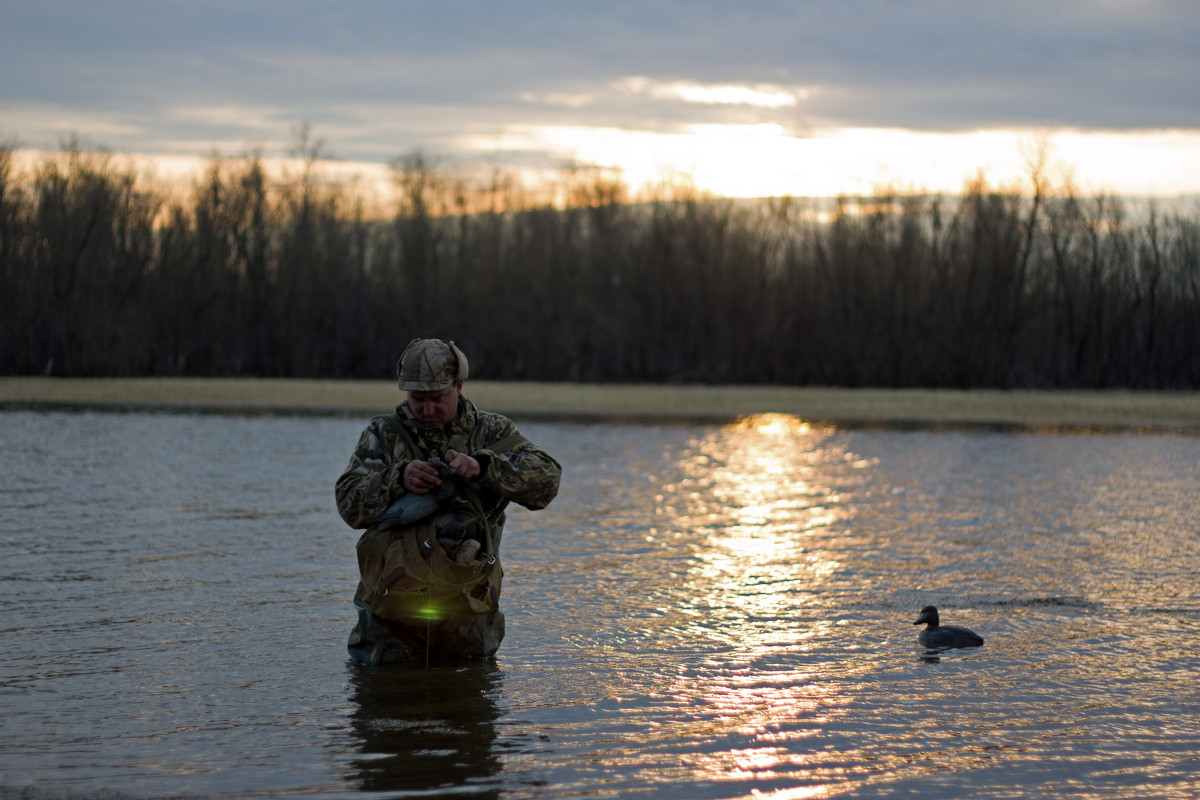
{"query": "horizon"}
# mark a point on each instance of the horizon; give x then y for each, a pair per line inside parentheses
(376, 183)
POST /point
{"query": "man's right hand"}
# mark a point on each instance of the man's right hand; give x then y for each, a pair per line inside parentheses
(421, 477)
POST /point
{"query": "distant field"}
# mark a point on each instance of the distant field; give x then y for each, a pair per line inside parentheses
(649, 402)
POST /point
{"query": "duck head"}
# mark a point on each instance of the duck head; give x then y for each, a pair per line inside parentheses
(929, 614)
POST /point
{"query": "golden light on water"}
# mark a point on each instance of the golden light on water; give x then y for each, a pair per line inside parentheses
(749, 497)
(758, 505)
(798, 793)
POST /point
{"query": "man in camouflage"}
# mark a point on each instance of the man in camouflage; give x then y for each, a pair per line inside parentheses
(435, 436)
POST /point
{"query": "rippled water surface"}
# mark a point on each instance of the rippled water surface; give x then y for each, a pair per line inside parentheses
(704, 612)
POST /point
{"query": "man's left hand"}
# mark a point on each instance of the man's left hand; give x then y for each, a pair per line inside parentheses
(467, 466)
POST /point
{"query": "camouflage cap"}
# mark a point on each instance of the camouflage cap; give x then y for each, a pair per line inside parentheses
(430, 365)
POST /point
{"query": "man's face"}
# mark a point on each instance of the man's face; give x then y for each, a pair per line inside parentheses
(435, 409)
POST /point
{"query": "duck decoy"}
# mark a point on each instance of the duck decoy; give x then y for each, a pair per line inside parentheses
(944, 637)
(412, 508)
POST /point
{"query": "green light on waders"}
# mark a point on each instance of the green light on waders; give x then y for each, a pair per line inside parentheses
(429, 612)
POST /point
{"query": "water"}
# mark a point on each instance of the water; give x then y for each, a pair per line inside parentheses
(704, 612)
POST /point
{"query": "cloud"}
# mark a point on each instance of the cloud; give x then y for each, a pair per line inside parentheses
(377, 79)
(761, 96)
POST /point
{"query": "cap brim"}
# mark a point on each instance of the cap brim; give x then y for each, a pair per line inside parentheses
(425, 386)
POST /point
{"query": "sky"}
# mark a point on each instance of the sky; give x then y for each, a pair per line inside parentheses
(745, 98)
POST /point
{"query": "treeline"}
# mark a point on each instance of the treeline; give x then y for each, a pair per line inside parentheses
(242, 274)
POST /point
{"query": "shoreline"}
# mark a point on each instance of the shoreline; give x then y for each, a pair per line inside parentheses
(624, 402)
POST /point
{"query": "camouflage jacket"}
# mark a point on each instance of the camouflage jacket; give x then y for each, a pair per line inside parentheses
(374, 479)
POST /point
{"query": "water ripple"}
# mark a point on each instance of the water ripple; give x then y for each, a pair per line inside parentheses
(704, 612)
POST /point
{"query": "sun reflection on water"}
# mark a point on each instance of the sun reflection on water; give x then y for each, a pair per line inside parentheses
(760, 507)
(758, 504)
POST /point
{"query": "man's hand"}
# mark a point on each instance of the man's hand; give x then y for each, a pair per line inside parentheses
(421, 477)
(467, 466)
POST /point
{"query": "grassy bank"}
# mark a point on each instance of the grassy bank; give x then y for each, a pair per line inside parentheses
(648, 402)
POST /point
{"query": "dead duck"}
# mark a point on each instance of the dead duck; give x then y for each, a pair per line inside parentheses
(944, 637)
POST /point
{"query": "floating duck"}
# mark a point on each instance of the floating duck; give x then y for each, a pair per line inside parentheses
(943, 637)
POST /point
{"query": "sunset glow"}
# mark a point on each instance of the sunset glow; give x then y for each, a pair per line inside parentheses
(802, 99)
(756, 160)
(764, 160)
